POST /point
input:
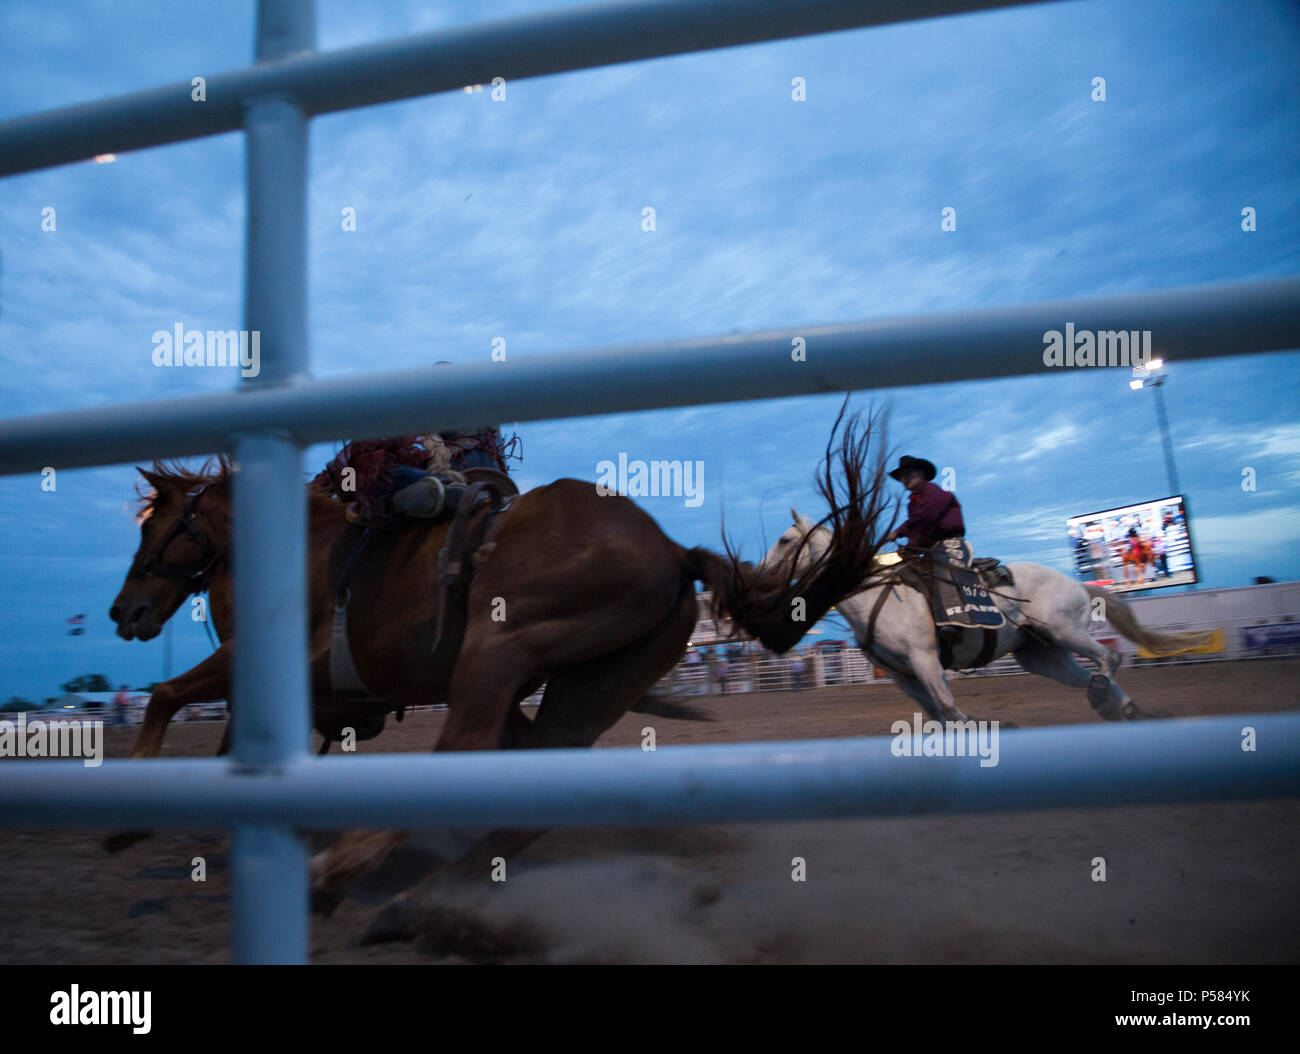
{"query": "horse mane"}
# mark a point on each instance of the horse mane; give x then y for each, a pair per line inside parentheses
(214, 471)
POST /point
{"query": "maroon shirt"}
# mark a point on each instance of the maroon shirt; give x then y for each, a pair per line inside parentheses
(931, 511)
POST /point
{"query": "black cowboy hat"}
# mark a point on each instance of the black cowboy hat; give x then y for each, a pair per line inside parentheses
(914, 464)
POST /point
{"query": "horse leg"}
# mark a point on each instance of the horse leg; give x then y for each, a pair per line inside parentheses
(590, 697)
(1108, 662)
(484, 688)
(518, 731)
(917, 691)
(208, 681)
(585, 700)
(582, 702)
(357, 852)
(486, 683)
(1057, 661)
(928, 697)
(931, 680)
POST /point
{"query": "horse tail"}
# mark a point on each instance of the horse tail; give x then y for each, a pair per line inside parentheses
(771, 608)
(726, 579)
(777, 606)
(1121, 616)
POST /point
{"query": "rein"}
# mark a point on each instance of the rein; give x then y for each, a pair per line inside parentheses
(197, 578)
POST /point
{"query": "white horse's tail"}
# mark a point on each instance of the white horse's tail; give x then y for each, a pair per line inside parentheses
(1121, 616)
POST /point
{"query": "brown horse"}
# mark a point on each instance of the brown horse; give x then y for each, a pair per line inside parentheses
(1137, 556)
(582, 592)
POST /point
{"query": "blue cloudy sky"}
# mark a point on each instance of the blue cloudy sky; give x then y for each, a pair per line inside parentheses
(522, 220)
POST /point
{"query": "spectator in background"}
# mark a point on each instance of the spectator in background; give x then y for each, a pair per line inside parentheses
(1100, 554)
(1160, 551)
(717, 673)
(696, 673)
(120, 702)
(798, 668)
(1082, 559)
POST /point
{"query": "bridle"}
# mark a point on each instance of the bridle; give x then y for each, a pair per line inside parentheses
(197, 579)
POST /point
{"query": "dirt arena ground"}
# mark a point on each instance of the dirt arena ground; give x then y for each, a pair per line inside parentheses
(1210, 883)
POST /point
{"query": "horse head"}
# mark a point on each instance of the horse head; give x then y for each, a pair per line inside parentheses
(800, 544)
(184, 533)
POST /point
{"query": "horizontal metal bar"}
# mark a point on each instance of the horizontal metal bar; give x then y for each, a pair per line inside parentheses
(1188, 323)
(1197, 759)
(445, 60)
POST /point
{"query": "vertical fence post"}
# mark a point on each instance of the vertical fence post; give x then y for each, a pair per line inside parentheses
(271, 687)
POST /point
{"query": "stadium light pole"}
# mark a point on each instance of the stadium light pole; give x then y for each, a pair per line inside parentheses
(1152, 375)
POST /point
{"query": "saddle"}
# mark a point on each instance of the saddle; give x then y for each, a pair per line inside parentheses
(958, 595)
(473, 502)
(957, 588)
(434, 497)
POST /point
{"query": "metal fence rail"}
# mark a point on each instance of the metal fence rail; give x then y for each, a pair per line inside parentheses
(270, 787)
(424, 64)
(1196, 322)
(1047, 768)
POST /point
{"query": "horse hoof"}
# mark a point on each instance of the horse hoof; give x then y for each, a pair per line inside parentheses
(393, 924)
(115, 843)
(1098, 689)
(1134, 713)
(1100, 698)
(325, 901)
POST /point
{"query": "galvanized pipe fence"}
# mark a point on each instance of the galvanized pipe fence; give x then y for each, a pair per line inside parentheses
(270, 789)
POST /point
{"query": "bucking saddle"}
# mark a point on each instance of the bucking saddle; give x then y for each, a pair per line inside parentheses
(957, 587)
(471, 502)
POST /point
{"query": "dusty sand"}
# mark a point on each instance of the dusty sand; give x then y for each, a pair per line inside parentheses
(1196, 883)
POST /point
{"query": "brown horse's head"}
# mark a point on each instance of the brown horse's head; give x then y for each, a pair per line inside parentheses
(184, 534)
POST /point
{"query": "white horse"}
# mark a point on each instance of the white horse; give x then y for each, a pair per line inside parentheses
(1047, 617)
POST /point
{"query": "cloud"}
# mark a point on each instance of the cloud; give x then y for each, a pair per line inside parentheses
(522, 220)
(1279, 440)
(1269, 533)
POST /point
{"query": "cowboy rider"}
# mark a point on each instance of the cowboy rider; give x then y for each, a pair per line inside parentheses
(933, 514)
(457, 450)
(465, 448)
(405, 474)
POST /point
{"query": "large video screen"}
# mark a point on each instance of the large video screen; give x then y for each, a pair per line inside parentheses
(1146, 546)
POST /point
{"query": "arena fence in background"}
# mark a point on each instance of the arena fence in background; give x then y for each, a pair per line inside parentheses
(270, 789)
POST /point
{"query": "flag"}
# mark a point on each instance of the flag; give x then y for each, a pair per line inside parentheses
(78, 624)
